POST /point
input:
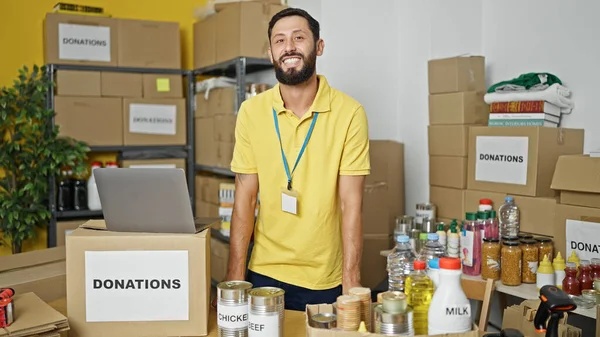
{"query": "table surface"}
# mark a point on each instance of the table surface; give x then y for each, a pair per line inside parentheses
(294, 326)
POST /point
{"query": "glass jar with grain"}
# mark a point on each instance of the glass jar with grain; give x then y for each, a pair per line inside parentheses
(529, 261)
(490, 259)
(545, 247)
(511, 260)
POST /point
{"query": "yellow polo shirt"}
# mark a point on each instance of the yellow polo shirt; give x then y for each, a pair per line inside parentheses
(303, 249)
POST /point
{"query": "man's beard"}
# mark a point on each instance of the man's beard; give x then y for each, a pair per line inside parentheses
(293, 76)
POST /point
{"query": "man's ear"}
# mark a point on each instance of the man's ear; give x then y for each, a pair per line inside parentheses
(270, 55)
(320, 47)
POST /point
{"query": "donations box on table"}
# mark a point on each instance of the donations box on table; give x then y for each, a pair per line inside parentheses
(137, 284)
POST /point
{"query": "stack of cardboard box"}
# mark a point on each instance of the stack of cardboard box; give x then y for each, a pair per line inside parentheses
(456, 89)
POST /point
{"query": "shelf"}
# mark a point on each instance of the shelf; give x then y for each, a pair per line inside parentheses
(84, 214)
(228, 68)
(217, 235)
(123, 148)
(215, 170)
(117, 69)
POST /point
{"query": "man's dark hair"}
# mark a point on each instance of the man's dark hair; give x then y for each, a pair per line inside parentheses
(312, 23)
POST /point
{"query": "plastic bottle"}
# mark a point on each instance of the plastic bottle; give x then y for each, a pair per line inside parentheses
(545, 274)
(470, 246)
(453, 249)
(494, 228)
(509, 217)
(399, 263)
(585, 275)
(575, 259)
(450, 309)
(485, 205)
(93, 199)
(433, 271)
(419, 291)
(441, 234)
(559, 270)
(422, 242)
(595, 268)
(570, 284)
(433, 248)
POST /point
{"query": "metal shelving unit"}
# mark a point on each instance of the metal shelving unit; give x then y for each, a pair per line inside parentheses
(151, 151)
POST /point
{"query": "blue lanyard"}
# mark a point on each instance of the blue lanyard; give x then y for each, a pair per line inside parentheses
(285, 162)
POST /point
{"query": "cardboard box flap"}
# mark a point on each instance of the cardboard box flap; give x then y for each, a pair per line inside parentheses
(201, 225)
(94, 224)
(578, 173)
(34, 314)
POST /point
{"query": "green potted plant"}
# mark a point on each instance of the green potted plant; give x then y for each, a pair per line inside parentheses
(30, 153)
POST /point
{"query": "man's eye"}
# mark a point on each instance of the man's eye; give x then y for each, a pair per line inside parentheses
(299, 38)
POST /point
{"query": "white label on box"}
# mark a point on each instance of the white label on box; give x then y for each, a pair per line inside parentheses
(263, 325)
(154, 119)
(232, 316)
(136, 286)
(501, 159)
(83, 43)
(584, 238)
(154, 166)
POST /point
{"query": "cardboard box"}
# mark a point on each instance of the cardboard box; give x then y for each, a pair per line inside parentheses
(225, 154)
(576, 177)
(536, 214)
(373, 268)
(472, 198)
(577, 228)
(449, 202)
(174, 300)
(520, 317)
(155, 163)
(205, 42)
(456, 74)
(446, 171)
(458, 108)
(383, 198)
(206, 210)
(149, 44)
(313, 309)
(162, 86)
(121, 84)
(42, 272)
(64, 228)
(207, 188)
(448, 140)
(205, 145)
(97, 121)
(225, 128)
(219, 259)
(220, 101)
(518, 160)
(34, 317)
(154, 121)
(80, 39)
(77, 83)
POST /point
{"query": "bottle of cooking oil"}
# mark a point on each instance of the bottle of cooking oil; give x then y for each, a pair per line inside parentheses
(419, 290)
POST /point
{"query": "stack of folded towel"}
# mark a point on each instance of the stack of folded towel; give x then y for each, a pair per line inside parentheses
(533, 99)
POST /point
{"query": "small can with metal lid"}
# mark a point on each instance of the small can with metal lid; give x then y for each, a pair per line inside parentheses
(324, 320)
(424, 210)
(232, 308)
(393, 324)
(266, 312)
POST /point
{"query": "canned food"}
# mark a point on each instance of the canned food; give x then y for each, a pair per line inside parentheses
(393, 324)
(232, 308)
(424, 210)
(323, 320)
(266, 312)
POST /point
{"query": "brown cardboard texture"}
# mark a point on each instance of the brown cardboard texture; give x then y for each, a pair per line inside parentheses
(97, 121)
(518, 160)
(205, 42)
(154, 163)
(64, 228)
(134, 284)
(225, 128)
(520, 317)
(154, 121)
(34, 317)
(149, 44)
(458, 108)
(373, 266)
(568, 212)
(450, 202)
(218, 101)
(456, 74)
(205, 209)
(121, 84)
(448, 140)
(205, 146)
(225, 154)
(536, 214)
(162, 86)
(313, 309)
(78, 83)
(219, 259)
(577, 177)
(447, 171)
(207, 188)
(40, 271)
(80, 39)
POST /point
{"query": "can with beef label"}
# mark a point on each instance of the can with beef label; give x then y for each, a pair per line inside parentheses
(266, 312)
(424, 210)
(232, 308)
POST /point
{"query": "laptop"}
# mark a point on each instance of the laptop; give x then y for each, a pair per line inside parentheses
(150, 200)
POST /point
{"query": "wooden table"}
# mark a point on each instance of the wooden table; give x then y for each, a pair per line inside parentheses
(294, 325)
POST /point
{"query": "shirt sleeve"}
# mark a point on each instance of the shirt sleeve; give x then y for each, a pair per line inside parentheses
(355, 156)
(243, 161)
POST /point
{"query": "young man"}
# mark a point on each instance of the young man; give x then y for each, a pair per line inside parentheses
(307, 146)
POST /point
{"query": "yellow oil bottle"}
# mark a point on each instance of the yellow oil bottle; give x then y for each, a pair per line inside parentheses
(419, 291)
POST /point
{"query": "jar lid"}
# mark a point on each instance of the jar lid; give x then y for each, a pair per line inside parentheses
(511, 243)
(491, 240)
(510, 238)
(528, 242)
(485, 202)
(525, 236)
(540, 239)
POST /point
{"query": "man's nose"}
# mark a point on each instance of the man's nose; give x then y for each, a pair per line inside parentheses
(290, 46)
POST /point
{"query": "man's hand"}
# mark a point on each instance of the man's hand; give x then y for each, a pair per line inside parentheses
(350, 283)
(351, 194)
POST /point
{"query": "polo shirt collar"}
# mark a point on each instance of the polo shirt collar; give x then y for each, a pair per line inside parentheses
(322, 102)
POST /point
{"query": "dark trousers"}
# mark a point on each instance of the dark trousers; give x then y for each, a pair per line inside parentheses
(296, 298)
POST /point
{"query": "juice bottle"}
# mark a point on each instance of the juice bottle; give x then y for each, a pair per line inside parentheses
(585, 275)
(419, 290)
(570, 284)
